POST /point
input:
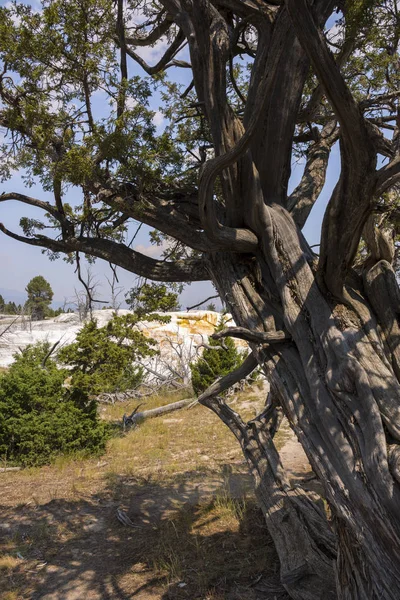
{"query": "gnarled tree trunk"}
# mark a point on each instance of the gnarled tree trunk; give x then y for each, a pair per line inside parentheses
(336, 383)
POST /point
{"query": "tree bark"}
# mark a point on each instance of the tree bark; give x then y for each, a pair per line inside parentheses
(297, 524)
(341, 396)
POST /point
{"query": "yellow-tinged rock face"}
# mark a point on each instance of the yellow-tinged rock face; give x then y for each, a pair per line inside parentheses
(196, 326)
(201, 322)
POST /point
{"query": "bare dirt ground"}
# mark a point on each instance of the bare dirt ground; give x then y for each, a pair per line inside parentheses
(194, 530)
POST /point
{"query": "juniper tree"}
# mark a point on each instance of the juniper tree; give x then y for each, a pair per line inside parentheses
(102, 359)
(39, 418)
(215, 362)
(267, 81)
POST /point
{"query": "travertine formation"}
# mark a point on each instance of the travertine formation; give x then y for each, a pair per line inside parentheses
(186, 329)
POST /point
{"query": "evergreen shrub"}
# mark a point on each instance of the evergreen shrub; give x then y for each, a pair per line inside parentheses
(39, 417)
(102, 359)
(215, 362)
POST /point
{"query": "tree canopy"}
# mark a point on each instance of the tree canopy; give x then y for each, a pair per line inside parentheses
(246, 88)
(55, 62)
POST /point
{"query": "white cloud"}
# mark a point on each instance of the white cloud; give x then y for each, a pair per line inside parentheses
(158, 118)
(153, 54)
(16, 19)
(151, 251)
(55, 105)
(130, 103)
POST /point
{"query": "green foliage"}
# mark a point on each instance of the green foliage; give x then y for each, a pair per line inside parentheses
(39, 418)
(101, 359)
(215, 362)
(40, 295)
(9, 308)
(56, 312)
(57, 60)
(151, 297)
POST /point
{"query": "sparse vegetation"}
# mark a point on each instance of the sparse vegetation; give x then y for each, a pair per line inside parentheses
(191, 503)
(151, 297)
(9, 308)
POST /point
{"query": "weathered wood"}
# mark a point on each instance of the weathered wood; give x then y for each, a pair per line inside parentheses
(224, 383)
(383, 292)
(7, 469)
(333, 403)
(241, 333)
(137, 417)
(298, 526)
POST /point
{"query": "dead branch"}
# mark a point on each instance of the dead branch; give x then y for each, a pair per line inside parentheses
(136, 417)
(248, 365)
(50, 352)
(7, 469)
(202, 302)
(9, 326)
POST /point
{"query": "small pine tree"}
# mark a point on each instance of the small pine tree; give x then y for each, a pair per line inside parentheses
(215, 362)
(40, 296)
(10, 308)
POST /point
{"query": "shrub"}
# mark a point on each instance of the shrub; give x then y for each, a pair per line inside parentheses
(39, 418)
(102, 358)
(215, 362)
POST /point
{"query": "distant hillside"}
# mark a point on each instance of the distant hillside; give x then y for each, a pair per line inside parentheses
(13, 296)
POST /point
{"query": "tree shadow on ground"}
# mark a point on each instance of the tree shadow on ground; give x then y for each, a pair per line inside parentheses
(181, 544)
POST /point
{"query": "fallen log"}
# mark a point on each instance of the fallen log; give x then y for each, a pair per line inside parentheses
(135, 417)
(7, 469)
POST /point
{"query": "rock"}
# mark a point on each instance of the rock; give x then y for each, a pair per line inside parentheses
(67, 318)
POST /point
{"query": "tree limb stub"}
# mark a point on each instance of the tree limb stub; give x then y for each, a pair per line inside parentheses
(256, 337)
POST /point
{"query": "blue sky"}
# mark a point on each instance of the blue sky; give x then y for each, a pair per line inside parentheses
(20, 262)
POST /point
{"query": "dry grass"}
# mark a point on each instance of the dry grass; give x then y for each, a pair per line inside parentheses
(191, 440)
(182, 481)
